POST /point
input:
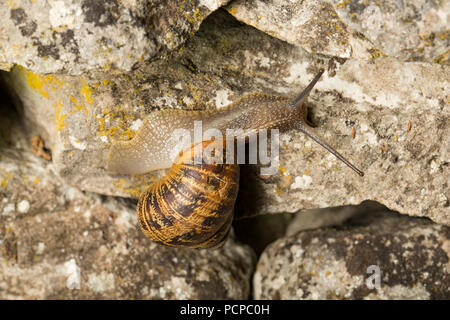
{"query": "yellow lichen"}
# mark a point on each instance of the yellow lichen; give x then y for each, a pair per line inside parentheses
(136, 186)
(114, 124)
(232, 10)
(76, 104)
(34, 81)
(60, 122)
(86, 91)
(442, 58)
(376, 53)
(343, 3)
(39, 83)
(6, 176)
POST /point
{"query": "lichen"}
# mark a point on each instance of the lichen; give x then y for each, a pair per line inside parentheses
(40, 84)
(60, 118)
(86, 91)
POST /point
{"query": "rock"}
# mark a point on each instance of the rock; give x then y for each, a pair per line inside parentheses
(260, 230)
(396, 109)
(378, 256)
(414, 30)
(411, 31)
(84, 74)
(80, 35)
(57, 242)
(327, 217)
(312, 25)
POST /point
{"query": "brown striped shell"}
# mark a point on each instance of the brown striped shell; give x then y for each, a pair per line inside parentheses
(192, 206)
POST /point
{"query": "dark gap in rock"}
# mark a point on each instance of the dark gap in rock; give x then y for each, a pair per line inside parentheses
(260, 231)
(10, 114)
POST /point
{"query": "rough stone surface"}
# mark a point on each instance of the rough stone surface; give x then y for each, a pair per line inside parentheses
(413, 30)
(81, 35)
(311, 24)
(332, 263)
(397, 110)
(261, 230)
(328, 217)
(86, 73)
(407, 30)
(57, 242)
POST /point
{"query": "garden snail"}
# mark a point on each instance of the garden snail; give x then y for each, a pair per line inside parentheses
(192, 206)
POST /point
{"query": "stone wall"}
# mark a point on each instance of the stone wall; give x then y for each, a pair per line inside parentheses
(79, 75)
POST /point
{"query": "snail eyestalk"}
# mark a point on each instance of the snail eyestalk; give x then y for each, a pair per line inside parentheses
(298, 101)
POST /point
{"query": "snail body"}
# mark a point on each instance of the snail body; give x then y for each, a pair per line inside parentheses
(192, 206)
(152, 148)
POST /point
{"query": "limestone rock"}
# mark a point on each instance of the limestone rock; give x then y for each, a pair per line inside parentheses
(57, 242)
(397, 110)
(413, 30)
(376, 256)
(328, 217)
(311, 24)
(408, 30)
(81, 35)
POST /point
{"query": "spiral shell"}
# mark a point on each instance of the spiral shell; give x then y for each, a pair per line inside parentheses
(192, 206)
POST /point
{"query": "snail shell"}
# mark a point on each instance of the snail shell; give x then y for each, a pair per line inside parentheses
(192, 206)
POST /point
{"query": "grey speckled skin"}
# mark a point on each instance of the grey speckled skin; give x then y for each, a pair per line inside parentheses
(153, 146)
